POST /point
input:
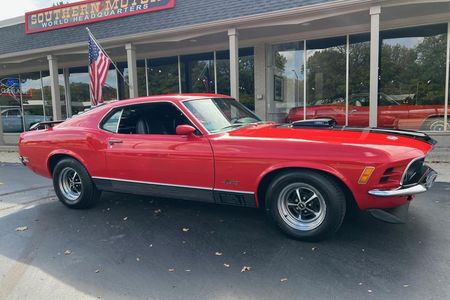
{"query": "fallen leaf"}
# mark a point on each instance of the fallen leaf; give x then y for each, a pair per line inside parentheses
(226, 265)
(185, 229)
(245, 269)
(283, 279)
(126, 218)
(23, 228)
(171, 270)
(68, 252)
(218, 253)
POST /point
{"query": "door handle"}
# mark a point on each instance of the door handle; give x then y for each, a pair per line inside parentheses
(113, 141)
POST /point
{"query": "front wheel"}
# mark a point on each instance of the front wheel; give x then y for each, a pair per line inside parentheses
(306, 205)
(73, 185)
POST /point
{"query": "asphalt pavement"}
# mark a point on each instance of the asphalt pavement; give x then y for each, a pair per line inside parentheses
(130, 247)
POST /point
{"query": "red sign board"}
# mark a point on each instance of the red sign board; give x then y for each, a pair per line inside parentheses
(89, 11)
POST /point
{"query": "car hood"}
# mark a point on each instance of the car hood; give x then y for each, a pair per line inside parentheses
(389, 141)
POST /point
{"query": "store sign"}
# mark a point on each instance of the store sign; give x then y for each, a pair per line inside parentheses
(10, 87)
(89, 11)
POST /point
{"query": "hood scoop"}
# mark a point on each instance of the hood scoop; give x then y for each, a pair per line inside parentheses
(315, 123)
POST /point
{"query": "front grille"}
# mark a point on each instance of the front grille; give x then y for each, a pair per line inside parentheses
(414, 172)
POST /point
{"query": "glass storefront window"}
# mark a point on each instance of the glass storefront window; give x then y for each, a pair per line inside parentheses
(246, 75)
(79, 89)
(163, 76)
(10, 104)
(124, 90)
(326, 78)
(412, 78)
(47, 92)
(359, 80)
(110, 89)
(197, 73)
(288, 82)
(33, 104)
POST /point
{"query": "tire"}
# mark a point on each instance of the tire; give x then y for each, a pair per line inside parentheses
(435, 124)
(315, 217)
(73, 184)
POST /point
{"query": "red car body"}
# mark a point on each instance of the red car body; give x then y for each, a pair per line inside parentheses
(230, 167)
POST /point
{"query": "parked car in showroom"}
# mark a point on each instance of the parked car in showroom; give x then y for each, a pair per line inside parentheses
(391, 113)
(13, 121)
(210, 148)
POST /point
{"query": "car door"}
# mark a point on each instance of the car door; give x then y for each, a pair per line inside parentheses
(152, 159)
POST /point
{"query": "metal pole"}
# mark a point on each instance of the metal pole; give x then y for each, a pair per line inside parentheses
(447, 75)
(305, 86)
(347, 79)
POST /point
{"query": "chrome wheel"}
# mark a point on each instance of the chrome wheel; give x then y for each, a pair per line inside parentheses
(301, 206)
(437, 125)
(70, 184)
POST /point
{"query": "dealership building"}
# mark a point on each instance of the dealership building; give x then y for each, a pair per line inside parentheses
(364, 63)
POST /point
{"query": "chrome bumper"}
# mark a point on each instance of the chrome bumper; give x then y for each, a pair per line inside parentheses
(424, 185)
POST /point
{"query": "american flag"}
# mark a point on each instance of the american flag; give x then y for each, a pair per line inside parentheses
(98, 71)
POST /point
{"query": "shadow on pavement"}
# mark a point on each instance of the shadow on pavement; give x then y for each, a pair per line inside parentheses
(135, 242)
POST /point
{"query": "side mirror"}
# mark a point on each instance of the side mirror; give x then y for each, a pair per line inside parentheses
(185, 130)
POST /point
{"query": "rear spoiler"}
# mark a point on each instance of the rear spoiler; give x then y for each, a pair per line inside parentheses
(327, 123)
(45, 125)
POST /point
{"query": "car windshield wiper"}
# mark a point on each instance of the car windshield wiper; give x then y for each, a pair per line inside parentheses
(230, 127)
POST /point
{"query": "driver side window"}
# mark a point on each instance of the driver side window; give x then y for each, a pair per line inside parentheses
(149, 118)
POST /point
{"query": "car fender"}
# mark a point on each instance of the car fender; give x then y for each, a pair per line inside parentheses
(305, 165)
(67, 153)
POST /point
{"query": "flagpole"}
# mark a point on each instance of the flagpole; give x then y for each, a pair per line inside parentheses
(112, 62)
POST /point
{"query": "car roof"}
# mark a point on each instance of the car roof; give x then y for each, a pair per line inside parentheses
(169, 97)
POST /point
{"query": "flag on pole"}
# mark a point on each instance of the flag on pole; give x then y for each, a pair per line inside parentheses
(98, 70)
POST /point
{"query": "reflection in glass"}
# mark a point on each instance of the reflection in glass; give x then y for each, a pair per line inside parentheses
(79, 89)
(359, 80)
(412, 78)
(163, 76)
(32, 100)
(10, 104)
(246, 76)
(124, 90)
(47, 92)
(197, 73)
(289, 76)
(326, 78)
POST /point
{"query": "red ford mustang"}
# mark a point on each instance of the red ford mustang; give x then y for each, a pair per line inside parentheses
(391, 114)
(211, 148)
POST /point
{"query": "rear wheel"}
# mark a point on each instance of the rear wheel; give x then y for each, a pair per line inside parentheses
(73, 185)
(306, 205)
(435, 124)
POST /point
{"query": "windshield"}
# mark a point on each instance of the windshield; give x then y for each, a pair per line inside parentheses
(219, 115)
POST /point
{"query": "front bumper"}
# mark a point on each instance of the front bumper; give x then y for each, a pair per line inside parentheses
(422, 186)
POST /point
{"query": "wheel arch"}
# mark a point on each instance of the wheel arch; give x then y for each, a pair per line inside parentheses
(57, 155)
(431, 117)
(269, 175)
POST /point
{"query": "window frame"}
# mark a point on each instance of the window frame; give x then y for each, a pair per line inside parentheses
(113, 110)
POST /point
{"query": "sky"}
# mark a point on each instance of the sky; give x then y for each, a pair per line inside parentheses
(16, 8)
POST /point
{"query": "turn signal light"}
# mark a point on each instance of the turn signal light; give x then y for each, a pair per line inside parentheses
(365, 175)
